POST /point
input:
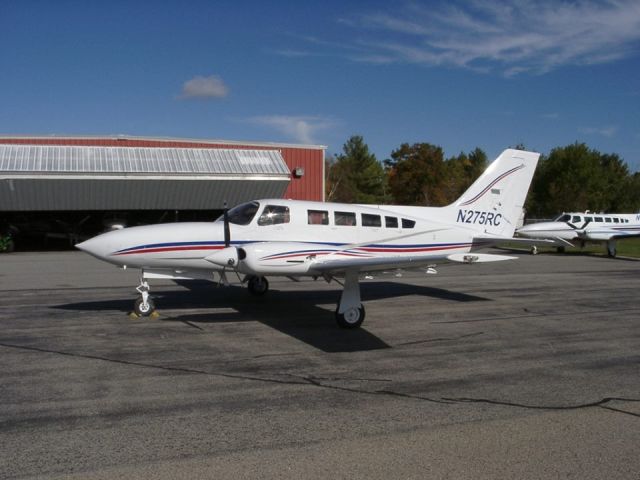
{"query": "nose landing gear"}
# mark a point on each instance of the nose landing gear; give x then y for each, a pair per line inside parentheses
(143, 306)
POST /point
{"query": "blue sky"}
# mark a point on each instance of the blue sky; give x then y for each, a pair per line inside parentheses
(457, 74)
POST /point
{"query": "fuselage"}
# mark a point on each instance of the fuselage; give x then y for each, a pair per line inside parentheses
(284, 237)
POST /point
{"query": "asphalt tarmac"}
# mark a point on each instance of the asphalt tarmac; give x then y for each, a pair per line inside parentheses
(525, 369)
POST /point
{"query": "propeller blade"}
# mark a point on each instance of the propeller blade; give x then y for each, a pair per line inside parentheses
(227, 230)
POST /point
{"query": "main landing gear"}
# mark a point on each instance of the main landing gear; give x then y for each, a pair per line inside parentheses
(350, 312)
(257, 285)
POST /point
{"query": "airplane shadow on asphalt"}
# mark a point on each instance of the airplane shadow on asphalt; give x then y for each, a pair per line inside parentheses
(297, 314)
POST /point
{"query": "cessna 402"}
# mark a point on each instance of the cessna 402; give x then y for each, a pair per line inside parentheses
(578, 229)
(276, 237)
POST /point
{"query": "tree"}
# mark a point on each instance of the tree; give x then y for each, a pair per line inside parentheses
(356, 176)
(577, 178)
(415, 175)
(462, 171)
(419, 175)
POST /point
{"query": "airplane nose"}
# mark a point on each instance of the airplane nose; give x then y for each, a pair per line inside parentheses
(95, 246)
(527, 230)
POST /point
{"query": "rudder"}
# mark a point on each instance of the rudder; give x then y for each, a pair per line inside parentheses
(494, 202)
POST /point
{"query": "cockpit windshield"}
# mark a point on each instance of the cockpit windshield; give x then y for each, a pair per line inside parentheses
(565, 217)
(242, 214)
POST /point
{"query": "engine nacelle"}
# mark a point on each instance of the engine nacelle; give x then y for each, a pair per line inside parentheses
(227, 257)
(277, 258)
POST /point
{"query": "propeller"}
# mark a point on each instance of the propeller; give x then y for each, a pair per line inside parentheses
(575, 227)
(229, 256)
(227, 230)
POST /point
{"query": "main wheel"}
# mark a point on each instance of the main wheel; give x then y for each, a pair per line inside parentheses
(352, 318)
(258, 285)
(612, 252)
(144, 309)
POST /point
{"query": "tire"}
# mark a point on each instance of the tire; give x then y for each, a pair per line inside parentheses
(352, 318)
(143, 310)
(258, 285)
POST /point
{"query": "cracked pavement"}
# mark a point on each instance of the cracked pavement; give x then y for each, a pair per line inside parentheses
(524, 369)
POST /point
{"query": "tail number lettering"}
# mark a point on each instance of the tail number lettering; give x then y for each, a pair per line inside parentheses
(479, 217)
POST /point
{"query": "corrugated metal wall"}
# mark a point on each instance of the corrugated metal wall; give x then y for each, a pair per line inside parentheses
(311, 159)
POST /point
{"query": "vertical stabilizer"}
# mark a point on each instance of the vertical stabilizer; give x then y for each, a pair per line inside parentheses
(493, 204)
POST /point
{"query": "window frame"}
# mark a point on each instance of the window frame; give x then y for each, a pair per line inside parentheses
(341, 218)
(324, 216)
(371, 217)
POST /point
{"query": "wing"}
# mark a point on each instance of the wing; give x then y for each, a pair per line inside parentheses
(605, 235)
(177, 274)
(335, 265)
(490, 241)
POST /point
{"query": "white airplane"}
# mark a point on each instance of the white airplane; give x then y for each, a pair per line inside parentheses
(276, 237)
(577, 229)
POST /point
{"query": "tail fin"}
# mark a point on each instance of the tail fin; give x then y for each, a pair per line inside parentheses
(494, 202)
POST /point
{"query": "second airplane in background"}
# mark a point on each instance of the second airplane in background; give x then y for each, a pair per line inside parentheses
(277, 237)
(577, 229)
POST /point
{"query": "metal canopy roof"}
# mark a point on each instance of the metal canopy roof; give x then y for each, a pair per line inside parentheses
(49, 178)
(44, 159)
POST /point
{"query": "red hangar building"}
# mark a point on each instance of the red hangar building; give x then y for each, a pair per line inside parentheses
(66, 180)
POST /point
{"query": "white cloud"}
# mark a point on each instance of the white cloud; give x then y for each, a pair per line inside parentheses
(514, 36)
(605, 131)
(204, 87)
(301, 128)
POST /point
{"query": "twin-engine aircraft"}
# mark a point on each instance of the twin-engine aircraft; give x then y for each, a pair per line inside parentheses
(276, 237)
(577, 229)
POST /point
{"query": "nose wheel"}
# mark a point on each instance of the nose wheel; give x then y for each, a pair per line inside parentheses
(143, 306)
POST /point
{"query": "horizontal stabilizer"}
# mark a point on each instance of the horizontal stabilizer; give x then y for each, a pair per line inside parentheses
(478, 257)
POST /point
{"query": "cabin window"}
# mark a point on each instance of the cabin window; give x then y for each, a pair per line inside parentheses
(371, 220)
(318, 217)
(616, 220)
(242, 214)
(576, 219)
(599, 219)
(607, 219)
(344, 218)
(406, 223)
(588, 219)
(391, 222)
(274, 215)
